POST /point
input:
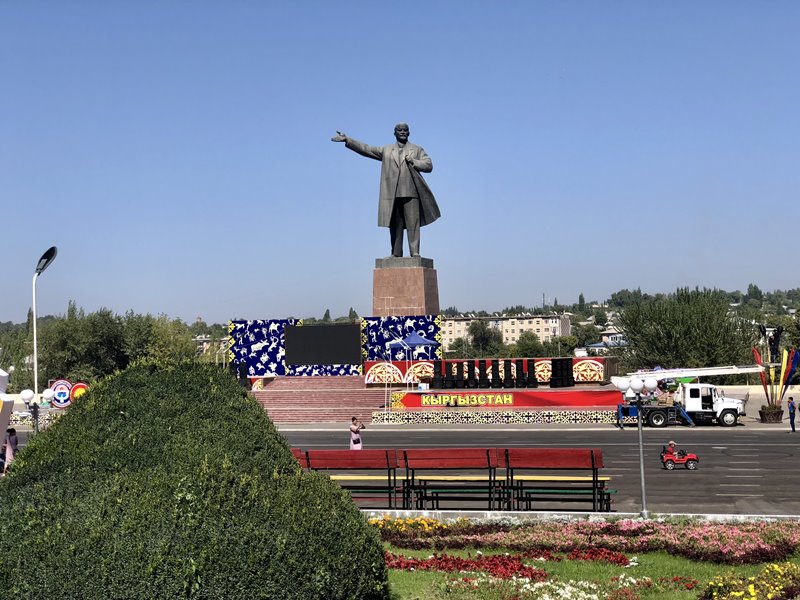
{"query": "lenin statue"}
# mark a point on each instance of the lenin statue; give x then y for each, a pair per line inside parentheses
(406, 202)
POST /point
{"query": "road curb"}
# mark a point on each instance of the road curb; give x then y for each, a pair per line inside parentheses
(533, 516)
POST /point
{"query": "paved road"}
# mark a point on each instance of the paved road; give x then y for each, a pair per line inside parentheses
(751, 469)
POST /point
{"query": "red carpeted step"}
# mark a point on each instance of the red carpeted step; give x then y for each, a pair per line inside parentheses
(320, 399)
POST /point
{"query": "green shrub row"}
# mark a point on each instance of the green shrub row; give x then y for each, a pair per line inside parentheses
(175, 484)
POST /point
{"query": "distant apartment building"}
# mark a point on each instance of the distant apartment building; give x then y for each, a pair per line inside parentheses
(545, 327)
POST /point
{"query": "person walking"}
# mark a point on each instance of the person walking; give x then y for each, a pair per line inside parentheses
(9, 448)
(355, 434)
(792, 408)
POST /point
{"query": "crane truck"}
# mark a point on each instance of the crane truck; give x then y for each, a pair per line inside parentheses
(692, 403)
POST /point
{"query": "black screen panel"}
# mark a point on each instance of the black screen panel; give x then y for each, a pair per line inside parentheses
(323, 344)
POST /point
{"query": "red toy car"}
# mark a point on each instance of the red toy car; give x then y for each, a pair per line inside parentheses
(671, 457)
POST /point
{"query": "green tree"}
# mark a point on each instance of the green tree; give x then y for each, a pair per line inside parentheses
(624, 297)
(561, 346)
(16, 345)
(352, 315)
(326, 318)
(529, 345)
(581, 304)
(754, 293)
(218, 331)
(461, 348)
(137, 330)
(585, 334)
(515, 310)
(82, 347)
(600, 317)
(685, 329)
(199, 327)
(170, 342)
(485, 339)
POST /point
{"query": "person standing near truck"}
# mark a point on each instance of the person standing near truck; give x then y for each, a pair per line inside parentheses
(792, 408)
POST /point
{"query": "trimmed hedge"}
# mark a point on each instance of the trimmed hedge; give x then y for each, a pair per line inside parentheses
(175, 484)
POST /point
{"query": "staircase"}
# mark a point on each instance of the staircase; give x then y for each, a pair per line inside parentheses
(320, 399)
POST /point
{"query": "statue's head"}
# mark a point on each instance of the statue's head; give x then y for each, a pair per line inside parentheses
(401, 132)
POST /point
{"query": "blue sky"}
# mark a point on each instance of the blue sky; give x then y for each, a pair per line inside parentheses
(178, 153)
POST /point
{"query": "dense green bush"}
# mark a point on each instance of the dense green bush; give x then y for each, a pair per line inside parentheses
(175, 484)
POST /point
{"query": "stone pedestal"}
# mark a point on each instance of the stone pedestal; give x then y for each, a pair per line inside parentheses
(404, 286)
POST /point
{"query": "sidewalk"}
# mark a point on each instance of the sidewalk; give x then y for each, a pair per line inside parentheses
(747, 423)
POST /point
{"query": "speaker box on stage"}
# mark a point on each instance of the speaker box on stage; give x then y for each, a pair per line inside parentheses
(521, 381)
(561, 373)
(436, 380)
(483, 379)
(460, 374)
(469, 375)
(449, 380)
(533, 381)
(508, 378)
(496, 381)
(569, 374)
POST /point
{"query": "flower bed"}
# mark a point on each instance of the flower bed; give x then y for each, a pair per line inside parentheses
(724, 543)
(774, 582)
(499, 566)
(508, 560)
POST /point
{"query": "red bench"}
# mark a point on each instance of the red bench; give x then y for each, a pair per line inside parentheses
(543, 478)
(360, 486)
(525, 490)
(301, 457)
(424, 481)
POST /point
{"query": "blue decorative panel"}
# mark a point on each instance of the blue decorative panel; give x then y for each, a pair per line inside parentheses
(323, 370)
(378, 332)
(260, 345)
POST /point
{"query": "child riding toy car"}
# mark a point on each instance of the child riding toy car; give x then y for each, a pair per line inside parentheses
(671, 457)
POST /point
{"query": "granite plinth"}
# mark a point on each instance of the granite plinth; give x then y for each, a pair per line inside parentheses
(405, 285)
(403, 262)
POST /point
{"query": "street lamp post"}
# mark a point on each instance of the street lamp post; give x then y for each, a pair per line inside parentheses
(44, 262)
(636, 386)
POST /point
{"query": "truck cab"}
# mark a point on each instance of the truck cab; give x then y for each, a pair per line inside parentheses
(705, 404)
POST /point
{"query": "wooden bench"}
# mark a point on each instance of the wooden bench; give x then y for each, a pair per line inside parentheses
(425, 482)
(525, 490)
(362, 486)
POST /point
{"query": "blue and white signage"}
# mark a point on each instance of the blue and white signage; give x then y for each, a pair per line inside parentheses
(61, 393)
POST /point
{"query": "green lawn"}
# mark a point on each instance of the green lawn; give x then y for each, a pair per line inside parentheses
(426, 585)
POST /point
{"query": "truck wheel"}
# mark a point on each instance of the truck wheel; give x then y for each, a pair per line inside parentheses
(691, 465)
(669, 465)
(657, 418)
(728, 418)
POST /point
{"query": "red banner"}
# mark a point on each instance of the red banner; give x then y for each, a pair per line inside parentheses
(505, 400)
